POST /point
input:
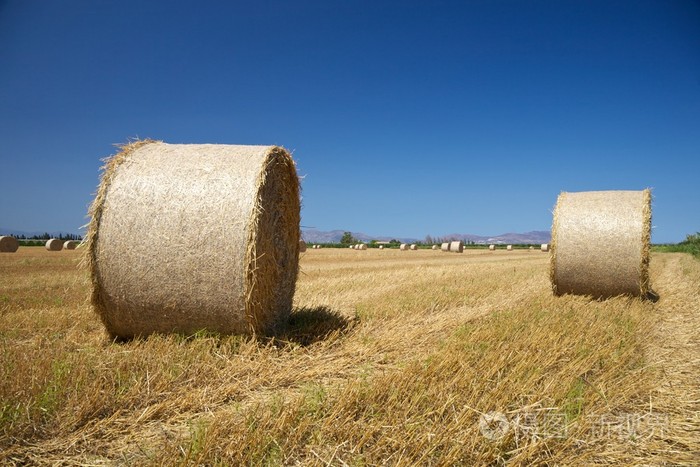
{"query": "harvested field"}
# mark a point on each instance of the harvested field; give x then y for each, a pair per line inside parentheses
(388, 359)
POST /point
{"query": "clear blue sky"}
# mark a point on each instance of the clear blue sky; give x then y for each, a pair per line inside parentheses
(406, 118)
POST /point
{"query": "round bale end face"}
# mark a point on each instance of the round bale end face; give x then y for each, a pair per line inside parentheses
(413, 247)
(492, 247)
(445, 247)
(233, 270)
(70, 245)
(8, 244)
(600, 243)
(403, 247)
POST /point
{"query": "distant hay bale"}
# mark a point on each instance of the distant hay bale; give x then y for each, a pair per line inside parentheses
(70, 245)
(361, 246)
(8, 244)
(435, 247)
(492, 247)
(509, 247)
(403, 247)
(600, 243)
(186, 237)
(54, 244)
(352, 247)
(532, 248)
(413, 246)
(381, 247)
(544, 247)
(445, 247)
(457, 246)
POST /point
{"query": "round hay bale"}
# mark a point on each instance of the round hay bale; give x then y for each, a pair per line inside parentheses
(445, 247)
(403, 247)
(185, 237)
(435, 247)
(54, 244)
(492, 247)
(351, 247)
(457, 246)
(381, 247)
(302, 246)
(509, 247)
(8, 244)
(532, 248)
(544, 247)
(70, 245)
(600, 243)
(362, 246)
(413, 246)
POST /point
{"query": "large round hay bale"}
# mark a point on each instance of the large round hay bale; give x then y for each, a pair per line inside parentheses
(302, 246)
(435, 247)
(445, 247)
(457, 246)
(492, 247)
(70, 245)
(544, 247)
(186, 237)
(403, 247)
(413, 246)
(509, 247)
(8, 244)
(54, 244)
(600, 243)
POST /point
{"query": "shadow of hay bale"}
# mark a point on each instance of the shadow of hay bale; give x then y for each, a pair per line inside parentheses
(307, 326)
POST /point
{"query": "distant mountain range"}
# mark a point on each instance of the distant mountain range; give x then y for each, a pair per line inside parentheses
(334, 236)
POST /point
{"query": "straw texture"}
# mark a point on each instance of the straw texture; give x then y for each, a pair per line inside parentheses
(302, 246)
(8, 244)
(600, 243)
(54, 245)
(445, 247)
(191, 237)
(457, 246)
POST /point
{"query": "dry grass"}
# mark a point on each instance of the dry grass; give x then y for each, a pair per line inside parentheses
(388, 359)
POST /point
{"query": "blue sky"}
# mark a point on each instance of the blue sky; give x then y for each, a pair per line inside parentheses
(405, 118)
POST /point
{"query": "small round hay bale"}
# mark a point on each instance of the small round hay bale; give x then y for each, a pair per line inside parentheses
(381, 247)
(403, 247)
(457, 246)
(544, 247)
(600, 243)
(413, 246)
(54, 244)
(509, 247)
(302, 246)
(532, 248)
(186, 237)
(492, 247)
(351, 247)
(70, 245)
(361, 246)
(8, 244)
(445, 247)
(435, 247)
